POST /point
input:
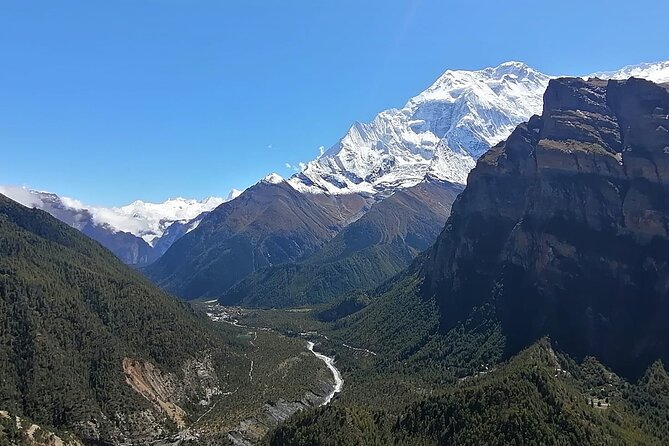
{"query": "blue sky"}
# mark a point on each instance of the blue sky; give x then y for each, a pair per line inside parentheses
(112, 101)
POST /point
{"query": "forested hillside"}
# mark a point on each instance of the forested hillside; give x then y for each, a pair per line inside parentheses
(538, 398)
(70, 312)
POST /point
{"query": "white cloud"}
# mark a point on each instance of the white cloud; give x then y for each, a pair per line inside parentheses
(296, 167)
(72, 203)
(146, 220)
(21, 195)
(321, 151)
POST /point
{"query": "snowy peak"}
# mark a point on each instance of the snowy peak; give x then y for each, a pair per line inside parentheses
(472, 110)
(151, 220)
(234, 193)
(142, 219)
(440, 132)
(657, 72)
(272, 178)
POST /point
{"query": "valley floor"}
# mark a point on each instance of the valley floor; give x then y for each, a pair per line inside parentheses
(378, 399)
(284, 374)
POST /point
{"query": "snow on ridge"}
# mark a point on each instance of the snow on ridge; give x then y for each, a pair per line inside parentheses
(143, 219)
(150, 220)
(441, 131)
(654, 71)
(272, 178)
(234, 193)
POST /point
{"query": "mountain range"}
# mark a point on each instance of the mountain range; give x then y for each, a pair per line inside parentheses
(368, 251)
(457, 119)
(137, 233)
(269, 224)
(436, 137)
(561, 231)
(528, 306)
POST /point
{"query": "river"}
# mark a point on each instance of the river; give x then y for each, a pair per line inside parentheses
(329, 362)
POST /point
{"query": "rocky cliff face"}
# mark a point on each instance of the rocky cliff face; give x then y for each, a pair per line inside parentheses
(562, 229)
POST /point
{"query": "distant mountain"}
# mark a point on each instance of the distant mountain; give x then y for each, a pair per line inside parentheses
(90, 346)
(151, 220)
(269, 224)
(441, 131)
(137, 234)
(365, 253)
(657, 72)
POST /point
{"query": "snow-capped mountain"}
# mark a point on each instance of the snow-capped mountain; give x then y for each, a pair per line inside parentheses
(657, 72)
(150, 220)
(142, 219)
(441, 132)
(137, 233)
(272, 178)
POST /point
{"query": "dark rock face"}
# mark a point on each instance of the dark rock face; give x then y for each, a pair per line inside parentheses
(269, 224)
(563, 229)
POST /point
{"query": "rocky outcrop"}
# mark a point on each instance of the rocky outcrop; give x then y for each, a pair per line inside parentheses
(167, 392)
(562, 229)
(15, 430)
(252, 430)
(158, 388)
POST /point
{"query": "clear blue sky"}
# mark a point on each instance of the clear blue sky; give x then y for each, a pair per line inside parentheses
(109, 101)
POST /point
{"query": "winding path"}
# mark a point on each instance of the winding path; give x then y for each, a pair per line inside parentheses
(329, 362)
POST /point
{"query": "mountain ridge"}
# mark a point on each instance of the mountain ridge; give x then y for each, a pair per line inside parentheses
(362, 255)
(137, 233)
(269, 224)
